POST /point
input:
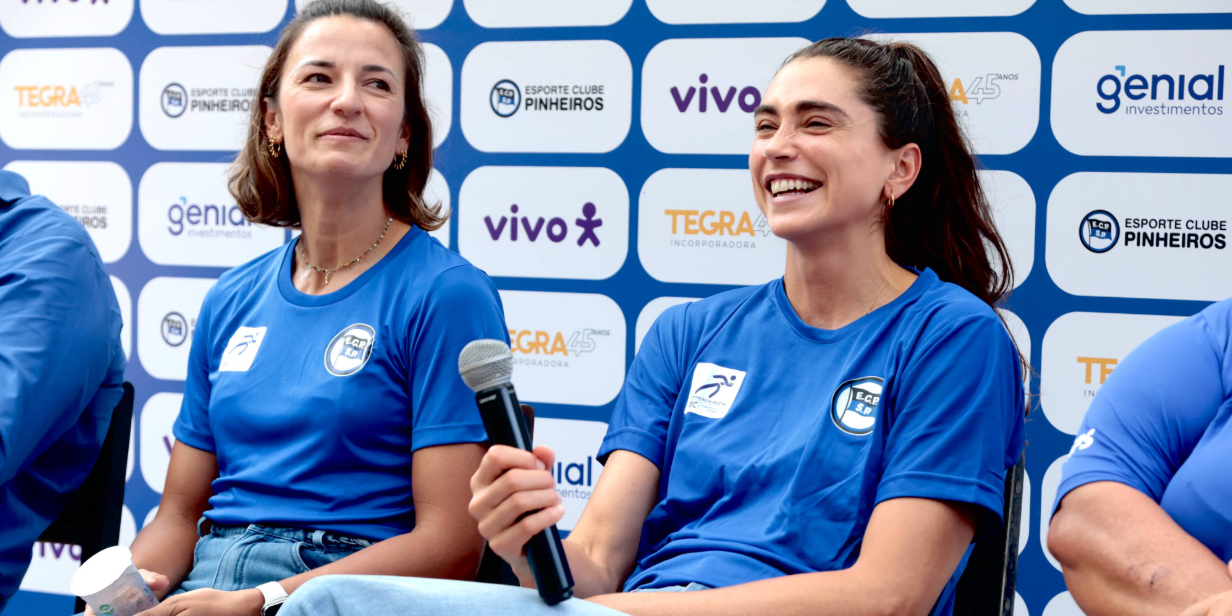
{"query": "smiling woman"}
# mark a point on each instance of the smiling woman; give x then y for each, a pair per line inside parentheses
(325, 428)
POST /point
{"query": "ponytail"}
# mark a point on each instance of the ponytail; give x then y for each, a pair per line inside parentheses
(943, 222)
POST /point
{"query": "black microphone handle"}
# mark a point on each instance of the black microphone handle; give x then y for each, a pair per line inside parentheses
(503, 419)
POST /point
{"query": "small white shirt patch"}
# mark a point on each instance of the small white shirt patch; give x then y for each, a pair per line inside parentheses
(242, 349)
(1083, 441)
(713, 390)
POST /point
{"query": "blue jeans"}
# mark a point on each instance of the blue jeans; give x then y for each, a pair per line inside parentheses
(242, 557)
(365, 595)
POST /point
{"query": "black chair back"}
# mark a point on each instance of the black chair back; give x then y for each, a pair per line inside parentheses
(986, 587)
(492, 568)
(91, 518)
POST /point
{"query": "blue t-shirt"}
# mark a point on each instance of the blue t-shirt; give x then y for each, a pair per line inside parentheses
(314, 405)
(1160, 424)
(61, 367)
(776, 439)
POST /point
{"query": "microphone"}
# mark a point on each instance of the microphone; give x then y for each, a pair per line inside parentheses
(486, 367)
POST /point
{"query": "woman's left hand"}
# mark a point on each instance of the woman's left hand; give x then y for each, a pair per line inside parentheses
(210, 602)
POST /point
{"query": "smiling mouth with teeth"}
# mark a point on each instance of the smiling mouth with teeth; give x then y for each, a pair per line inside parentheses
(792, 187)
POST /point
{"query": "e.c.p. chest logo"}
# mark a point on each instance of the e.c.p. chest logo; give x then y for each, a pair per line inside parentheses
(350, 349)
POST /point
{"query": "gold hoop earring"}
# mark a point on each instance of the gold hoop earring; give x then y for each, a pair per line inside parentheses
(273, 148)
(400, 160)
(890, 202)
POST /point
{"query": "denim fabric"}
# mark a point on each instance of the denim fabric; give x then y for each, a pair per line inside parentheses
(242, 557)
(354, 595)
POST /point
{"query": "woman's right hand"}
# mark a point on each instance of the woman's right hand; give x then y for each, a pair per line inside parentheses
(156, 581)
(509, 484)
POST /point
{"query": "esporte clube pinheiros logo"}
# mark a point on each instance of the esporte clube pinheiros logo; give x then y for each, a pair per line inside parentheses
(854, 405)
(506, 98)
(1099, 231)
(350, 349)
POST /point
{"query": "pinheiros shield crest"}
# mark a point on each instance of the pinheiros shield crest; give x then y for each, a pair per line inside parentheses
(350, 349)
(854, 405)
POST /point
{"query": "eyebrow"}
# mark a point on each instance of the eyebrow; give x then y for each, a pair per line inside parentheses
(802, 107)
(367, 68)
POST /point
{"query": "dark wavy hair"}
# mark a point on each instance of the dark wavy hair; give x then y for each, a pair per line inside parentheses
(262, 185)
(943, 221)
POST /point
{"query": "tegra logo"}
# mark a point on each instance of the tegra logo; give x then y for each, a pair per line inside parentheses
(531, 342)
(721, 222)
(1200, 87)
(979, 89)
(557, 230)
(60, 96)
(748, 97)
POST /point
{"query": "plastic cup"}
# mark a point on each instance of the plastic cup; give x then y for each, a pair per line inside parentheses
(110, 584)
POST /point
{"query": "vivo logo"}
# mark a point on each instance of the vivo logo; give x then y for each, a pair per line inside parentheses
(58, 550)
(748, 98)
(536, 221)
(556, 229)
(697, 94)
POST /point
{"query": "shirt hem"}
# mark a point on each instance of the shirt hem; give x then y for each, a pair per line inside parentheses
(943, 487)
(634, 440)
(1073, 482)
(453, 434)
(192, 438)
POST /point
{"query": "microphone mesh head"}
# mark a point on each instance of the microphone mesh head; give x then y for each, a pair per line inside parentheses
(485, 363)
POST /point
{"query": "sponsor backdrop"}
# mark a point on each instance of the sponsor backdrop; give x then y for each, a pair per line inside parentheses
(593, 154)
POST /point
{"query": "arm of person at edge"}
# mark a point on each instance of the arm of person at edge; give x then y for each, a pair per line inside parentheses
(910, 549)
(1123, 555)
(1120, 551)
(444, 543)
(48, 372)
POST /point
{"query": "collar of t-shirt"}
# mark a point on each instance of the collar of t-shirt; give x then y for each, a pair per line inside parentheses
(924, 280)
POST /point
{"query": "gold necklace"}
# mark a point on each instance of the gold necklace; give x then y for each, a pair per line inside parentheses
(304, 249)
(878, 295)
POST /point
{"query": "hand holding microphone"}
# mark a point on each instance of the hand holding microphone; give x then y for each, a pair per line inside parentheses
(514, 495)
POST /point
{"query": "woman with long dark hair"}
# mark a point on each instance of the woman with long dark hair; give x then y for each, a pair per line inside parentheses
(829, 442)
(324, 427)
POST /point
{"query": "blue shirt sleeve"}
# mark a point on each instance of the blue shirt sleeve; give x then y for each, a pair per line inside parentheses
(644, 408)
(460, 306)
(958, 412)
(1151, 412)
(192, 426)
(58, 343)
